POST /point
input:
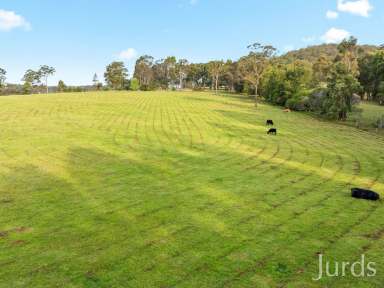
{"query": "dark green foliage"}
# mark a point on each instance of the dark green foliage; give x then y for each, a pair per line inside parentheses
(31, 80)
(372, 75)
(27, 87)
(380, 93)
(61, 86)
(288, 84)
(134, 84)
(327, 84)
(342, 85)
(32, 77)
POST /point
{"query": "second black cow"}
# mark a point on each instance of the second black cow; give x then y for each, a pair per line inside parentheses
(272, 131)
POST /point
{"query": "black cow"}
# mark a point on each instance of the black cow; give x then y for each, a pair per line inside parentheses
(365, 194)
(272, 131)
(269, 122)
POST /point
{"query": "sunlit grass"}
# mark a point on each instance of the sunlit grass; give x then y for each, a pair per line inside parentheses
(180, 189)
(367, 114)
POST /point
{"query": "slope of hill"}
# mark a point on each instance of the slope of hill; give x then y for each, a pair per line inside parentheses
(312, 53)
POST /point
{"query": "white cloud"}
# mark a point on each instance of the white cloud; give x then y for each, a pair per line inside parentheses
(10, 20)
(335, 35)
(332, 14)
(128, 54)
(193, 2)
(359, 7)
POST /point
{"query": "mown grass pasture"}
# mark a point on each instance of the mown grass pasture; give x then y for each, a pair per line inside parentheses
(181, 189)
(367, 115)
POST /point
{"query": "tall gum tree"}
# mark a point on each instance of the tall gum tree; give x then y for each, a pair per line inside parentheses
(3, 77)
(216, 69)
(253, 66)
(116, 75)
(45, 71)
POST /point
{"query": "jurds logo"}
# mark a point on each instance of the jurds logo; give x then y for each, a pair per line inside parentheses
(361, 268)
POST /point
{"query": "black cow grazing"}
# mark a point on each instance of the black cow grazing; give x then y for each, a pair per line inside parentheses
(269, 122)
(272, 131)
(365, 194)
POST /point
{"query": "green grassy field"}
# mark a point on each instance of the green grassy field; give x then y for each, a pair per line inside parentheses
(367, 117)
(177, 189)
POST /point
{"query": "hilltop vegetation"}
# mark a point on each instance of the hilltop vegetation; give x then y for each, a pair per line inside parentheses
(329, 51)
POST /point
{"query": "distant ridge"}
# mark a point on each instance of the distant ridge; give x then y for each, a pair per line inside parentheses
(312, 53)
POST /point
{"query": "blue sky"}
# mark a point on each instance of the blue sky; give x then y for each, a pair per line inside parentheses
(80, 37)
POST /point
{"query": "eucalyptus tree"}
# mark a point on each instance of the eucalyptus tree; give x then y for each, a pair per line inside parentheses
(198, 75)
(45, 71)
(31, 79)
(181, 71)
(231, 74)
(167, 70)
(371, 75)
(216, 69)
(348, 55)
(253, 66)
(164, 71)
(116, 75)
(143, 71)
(342, 85)
(61, 87)
(3, 77)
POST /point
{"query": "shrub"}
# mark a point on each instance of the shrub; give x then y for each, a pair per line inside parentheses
(134, 84)
(296, 103)
(315, 101)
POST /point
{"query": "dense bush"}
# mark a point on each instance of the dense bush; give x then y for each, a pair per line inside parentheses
(134, 84)
(297, 103)
(287, 84)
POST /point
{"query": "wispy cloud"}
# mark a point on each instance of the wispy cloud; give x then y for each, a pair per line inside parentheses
(335, 35)
(128, 54)
(332, 14)
(359, 7)
(193, 2)
(10, 20)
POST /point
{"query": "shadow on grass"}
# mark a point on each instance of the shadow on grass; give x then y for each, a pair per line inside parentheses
(120, 220)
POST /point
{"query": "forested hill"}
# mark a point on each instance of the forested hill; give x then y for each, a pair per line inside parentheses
(312, 53)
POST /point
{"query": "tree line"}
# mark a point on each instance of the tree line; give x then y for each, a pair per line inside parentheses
(34, 81)
(326, 83)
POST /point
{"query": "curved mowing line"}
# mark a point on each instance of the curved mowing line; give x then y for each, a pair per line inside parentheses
(204, 266)
(172, 122)
(263, 261)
